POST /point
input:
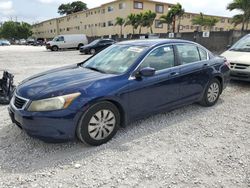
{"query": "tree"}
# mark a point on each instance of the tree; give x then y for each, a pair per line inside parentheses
(237, 19)
(244, 7)
(202, 20)
(131, 20)
(148, 20)
(139, 21)
(167, 19)
(15, 30)
(73, 7)
(176, 12)
(120, 21)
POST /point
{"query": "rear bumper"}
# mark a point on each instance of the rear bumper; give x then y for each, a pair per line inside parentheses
(49, 127)
(240, 75)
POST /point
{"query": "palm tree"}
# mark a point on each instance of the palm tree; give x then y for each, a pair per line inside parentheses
(211, 22)
(167, 19)
(178, 12)
(131, 20)
(237, 19)
(139, 21)
(148, 20)
(199, 21)
(120, 21)
(244, 7)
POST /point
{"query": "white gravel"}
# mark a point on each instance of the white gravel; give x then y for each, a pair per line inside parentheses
(189, 147)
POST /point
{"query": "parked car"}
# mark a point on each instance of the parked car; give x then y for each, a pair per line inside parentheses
(22, 42)
(30, 41)
(96, 46)
(239, 57)
(4, 43)
(67, 41)
(125, 82)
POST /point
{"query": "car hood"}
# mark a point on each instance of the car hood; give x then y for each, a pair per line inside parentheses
(61, 81)
(237, 57)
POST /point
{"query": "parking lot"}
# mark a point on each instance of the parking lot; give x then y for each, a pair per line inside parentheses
(189, 147)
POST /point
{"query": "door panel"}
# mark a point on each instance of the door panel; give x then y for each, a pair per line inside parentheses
(158, 92)
(193, 72)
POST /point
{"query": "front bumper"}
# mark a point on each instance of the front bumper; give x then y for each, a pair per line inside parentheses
(240, 75)
(56, 126)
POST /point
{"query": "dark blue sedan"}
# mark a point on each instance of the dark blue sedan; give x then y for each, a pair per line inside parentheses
(125, 82)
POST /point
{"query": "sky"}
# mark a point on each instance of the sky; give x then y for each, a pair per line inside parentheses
(33, 11)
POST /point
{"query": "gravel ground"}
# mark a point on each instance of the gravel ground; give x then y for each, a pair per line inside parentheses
(189, 147)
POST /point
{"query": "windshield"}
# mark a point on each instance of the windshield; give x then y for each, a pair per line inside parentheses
(242, 45)
(114, 60)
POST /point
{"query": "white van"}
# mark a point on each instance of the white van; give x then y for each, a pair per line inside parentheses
(67, 41)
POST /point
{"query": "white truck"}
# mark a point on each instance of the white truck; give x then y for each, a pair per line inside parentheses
(67, 41)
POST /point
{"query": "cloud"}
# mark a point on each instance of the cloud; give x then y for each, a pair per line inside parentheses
(6, 7)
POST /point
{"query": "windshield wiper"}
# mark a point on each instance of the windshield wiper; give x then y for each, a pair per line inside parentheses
(95, 69)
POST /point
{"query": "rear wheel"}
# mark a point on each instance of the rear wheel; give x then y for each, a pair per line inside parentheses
(54, 48)
(99, 124)
(212, 93)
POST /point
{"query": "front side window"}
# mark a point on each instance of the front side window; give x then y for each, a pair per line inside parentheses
(188, 53)
(138, 5)
(59, 39)
(159, 8)
(160, 59)
(116, 59)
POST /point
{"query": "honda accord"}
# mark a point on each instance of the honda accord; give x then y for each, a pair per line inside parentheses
(125, 82)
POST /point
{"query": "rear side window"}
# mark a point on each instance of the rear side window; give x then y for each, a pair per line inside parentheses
(203, 54)
(188, 53)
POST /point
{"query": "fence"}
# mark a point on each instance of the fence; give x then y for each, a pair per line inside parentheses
(217, 42)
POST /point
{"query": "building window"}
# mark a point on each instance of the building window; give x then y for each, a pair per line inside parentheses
(122, 6)
(138, 5)
(192, 27)
(110, 9)
(187, 26)
(188, 16)
(103, 24)
(158, 24)
(103, 11)
(159, 8)
(110, 23)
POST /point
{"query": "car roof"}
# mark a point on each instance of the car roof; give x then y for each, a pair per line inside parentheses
(153, 42)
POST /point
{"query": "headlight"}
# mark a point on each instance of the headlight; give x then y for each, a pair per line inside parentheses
(51, 104)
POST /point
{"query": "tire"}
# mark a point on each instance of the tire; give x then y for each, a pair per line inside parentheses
(212, 93)
(54, 48)
(98, 124)
(92, 51)
(79, 46)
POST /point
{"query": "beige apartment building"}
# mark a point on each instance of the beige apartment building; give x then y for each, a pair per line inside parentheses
(100, 21)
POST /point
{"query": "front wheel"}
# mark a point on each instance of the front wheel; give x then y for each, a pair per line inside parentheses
(92, 51)
(212, 93)
(98, 124)
(54, 48)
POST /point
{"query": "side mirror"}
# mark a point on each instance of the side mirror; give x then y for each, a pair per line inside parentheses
(146, 72)
(228, 46)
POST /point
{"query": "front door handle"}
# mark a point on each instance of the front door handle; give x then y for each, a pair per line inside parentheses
(174, 73)
(205, 65)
